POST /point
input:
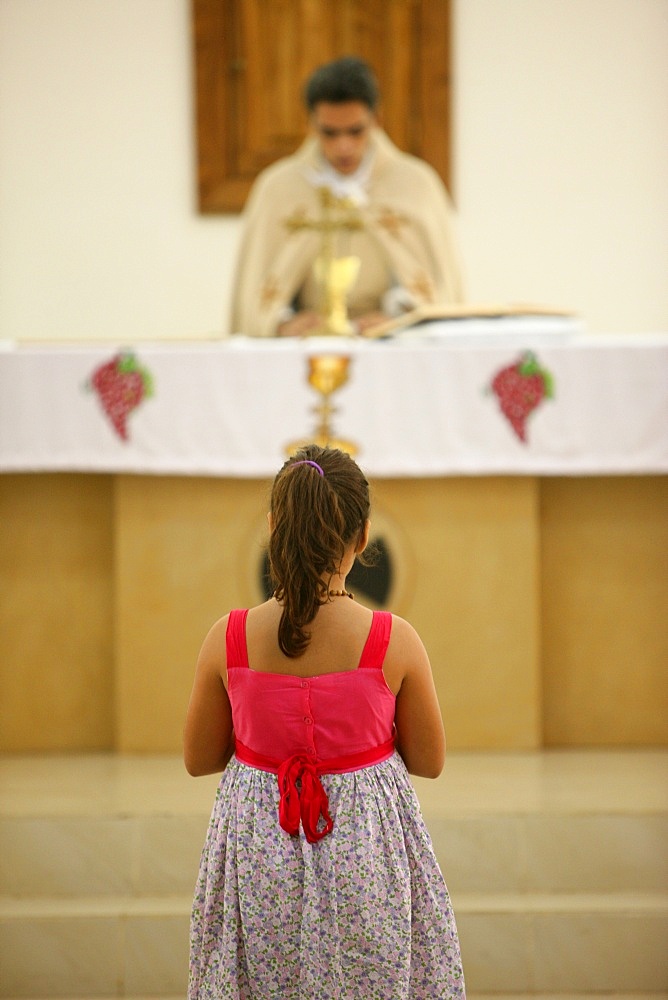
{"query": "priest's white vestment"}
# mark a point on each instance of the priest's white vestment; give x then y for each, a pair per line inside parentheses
(407, 242)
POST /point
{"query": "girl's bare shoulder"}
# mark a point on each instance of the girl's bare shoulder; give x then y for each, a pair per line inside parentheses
(404, 638)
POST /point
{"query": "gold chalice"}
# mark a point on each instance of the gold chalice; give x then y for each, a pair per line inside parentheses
(336, 276)
(326, 374)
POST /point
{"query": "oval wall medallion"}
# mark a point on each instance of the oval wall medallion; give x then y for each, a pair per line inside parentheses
(388, 584)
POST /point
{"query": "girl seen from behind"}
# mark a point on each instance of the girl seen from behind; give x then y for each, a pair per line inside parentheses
(318, 877)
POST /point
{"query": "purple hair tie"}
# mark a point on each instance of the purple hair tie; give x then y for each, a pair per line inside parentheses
(307, 461)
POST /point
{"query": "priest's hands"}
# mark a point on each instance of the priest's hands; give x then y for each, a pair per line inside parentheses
(364, 325)
(307, 322)
(299, 325)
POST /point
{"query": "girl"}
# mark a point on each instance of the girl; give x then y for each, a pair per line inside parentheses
(318, 877)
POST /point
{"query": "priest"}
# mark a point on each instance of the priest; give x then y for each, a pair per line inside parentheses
(405, 242)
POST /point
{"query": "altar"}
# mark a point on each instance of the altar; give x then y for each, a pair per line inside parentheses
(421, 404)
(518, 472)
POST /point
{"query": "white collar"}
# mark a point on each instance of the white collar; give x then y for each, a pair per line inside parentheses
(351, 186)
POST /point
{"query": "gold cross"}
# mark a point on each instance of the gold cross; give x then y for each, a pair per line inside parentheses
(334, 276)
(337, 214)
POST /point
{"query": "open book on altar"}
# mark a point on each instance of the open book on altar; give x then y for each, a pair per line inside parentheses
(431, 311)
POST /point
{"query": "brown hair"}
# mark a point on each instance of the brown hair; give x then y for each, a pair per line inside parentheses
(314, 518)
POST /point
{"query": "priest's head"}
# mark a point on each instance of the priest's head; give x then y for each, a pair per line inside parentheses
(341, 98)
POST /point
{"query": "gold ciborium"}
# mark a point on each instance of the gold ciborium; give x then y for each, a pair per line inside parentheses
(326, 374)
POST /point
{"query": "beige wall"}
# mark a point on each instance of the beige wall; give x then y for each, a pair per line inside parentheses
(561, 162)
(560, 166)
(541, 603)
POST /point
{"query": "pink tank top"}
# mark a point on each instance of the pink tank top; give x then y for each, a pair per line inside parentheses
(302, 727)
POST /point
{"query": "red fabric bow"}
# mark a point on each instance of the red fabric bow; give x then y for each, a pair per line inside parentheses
(303, 798)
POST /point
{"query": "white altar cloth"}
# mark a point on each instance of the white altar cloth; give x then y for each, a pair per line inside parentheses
(416, 405)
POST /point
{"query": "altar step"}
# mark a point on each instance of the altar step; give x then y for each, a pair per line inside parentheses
(123, 946)
(557, 864)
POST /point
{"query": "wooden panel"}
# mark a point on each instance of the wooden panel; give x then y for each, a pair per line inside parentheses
(179, 544)
(251, 61)
(475, 601)
(605, 602)
(57, 663)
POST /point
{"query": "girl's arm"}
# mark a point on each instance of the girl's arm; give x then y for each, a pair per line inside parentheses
(208, 739)
(418, 720)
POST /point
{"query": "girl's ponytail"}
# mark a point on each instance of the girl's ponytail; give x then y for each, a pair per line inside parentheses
(319, 505)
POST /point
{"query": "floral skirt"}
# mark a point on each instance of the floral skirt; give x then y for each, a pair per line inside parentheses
(363, 914)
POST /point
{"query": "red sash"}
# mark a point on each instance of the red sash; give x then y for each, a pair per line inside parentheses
(302, 795)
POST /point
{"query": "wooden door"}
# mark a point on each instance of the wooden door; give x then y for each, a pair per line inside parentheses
(253, 56)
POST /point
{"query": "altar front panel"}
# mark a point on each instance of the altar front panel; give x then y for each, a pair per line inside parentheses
(541, 602)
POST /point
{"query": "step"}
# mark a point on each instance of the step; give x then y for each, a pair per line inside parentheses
(159, 855)
(564, 943)
(96, 947)
(510, 941)
(97, 856)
